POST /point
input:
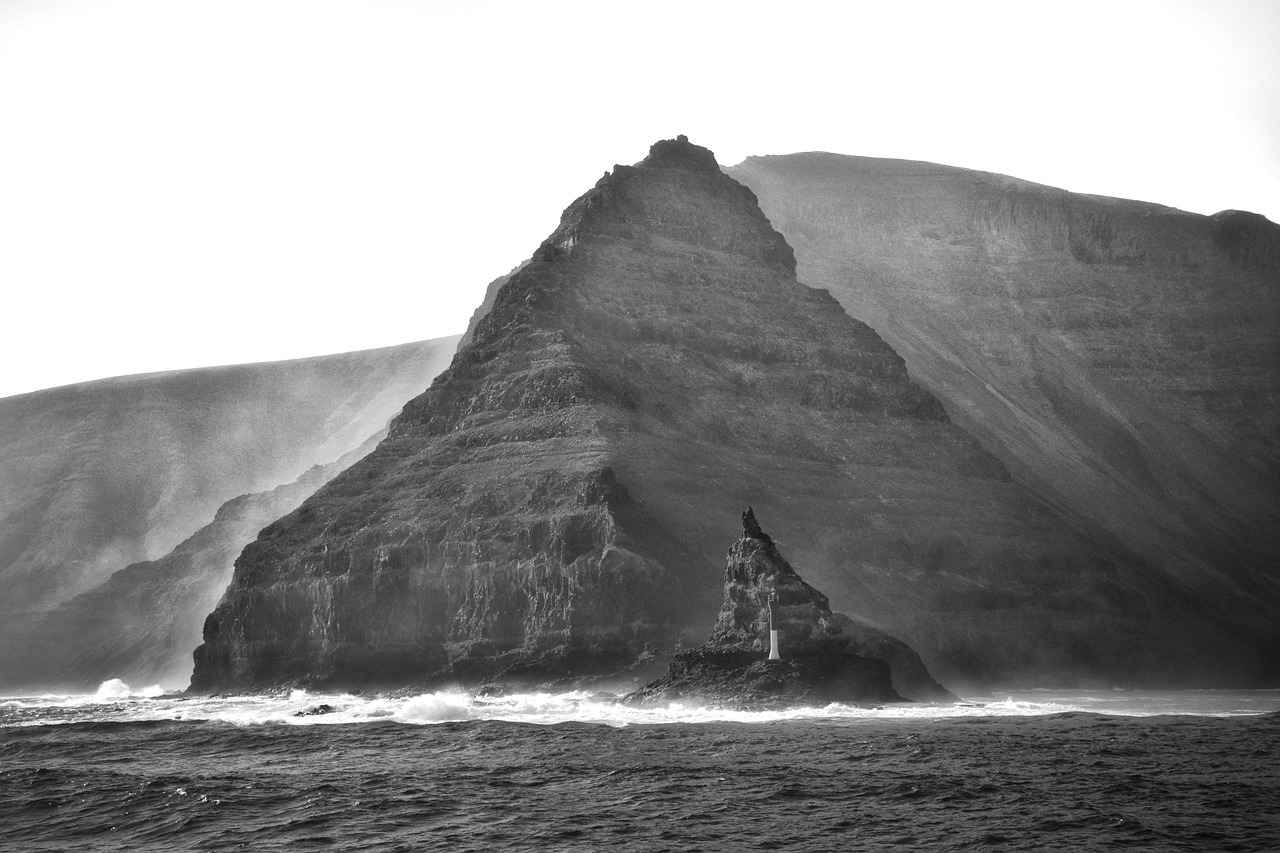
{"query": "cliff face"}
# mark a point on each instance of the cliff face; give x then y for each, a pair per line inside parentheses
(817, 662)
(486, 304)
(1120, 358)
(102, 474)
(551, 506)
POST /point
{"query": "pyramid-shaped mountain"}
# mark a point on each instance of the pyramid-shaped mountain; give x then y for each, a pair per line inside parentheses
(555, 503)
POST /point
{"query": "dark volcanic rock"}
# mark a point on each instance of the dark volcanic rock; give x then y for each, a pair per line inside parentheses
(740, 679)
(819, 663)
(552, 506)
(486, 304)
(910, 676)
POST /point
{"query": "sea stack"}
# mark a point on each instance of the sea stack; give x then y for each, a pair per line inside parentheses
(765, 599)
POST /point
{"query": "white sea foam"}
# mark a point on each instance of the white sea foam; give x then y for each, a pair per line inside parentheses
(115, 688)
(115, 700)
(436, 708)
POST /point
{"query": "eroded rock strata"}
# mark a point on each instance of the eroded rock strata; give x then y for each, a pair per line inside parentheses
(819, 663)
(553, 505)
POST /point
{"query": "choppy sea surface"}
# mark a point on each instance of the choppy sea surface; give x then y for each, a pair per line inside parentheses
(1048, 770)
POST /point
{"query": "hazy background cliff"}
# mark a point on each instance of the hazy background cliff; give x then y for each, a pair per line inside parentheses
(97, 476)
(1121, 358)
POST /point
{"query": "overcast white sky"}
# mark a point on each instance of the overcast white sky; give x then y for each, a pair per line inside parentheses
(186, 183)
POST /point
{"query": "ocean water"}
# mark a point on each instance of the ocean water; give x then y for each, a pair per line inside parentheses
(141, 770)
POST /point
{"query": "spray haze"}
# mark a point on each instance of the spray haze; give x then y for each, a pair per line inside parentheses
(126, 501)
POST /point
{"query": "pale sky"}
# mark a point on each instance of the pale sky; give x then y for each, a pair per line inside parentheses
(194, 182)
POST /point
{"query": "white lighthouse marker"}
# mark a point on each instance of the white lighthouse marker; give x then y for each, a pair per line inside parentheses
(773, 632)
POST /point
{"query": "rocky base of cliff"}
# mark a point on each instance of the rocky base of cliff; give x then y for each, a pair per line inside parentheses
(823, 655)
(742, 679)
(909, 675)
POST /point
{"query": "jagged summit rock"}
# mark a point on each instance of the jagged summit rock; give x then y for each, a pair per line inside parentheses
(763, 593)
(681, 153)
(751, 527)
(755, 574)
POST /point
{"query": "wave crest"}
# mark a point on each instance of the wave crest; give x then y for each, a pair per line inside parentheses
(115, 688)
(115, 701)
(436, 708)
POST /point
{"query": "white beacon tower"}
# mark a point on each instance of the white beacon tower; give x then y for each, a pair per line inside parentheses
(773, 631)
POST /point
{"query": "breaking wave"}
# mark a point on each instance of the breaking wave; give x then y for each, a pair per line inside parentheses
(117, 701)
(115, 688)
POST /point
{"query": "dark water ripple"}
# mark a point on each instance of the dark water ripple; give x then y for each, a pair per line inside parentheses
(1067, 782)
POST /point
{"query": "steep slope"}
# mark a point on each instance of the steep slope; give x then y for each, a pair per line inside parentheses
(554, 504)
(102, 474)
(486, 304)
(1120, 358)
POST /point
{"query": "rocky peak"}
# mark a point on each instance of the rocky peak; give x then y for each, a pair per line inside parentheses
(751, 527)
(756, 574)
(677, 196)
(680, 153)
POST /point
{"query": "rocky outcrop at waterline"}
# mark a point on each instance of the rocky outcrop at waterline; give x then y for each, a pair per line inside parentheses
(911, 678)
(817, 663)
(552, 507)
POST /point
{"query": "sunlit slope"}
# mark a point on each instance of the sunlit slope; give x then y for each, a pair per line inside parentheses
(142, 623)
(102, 474)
